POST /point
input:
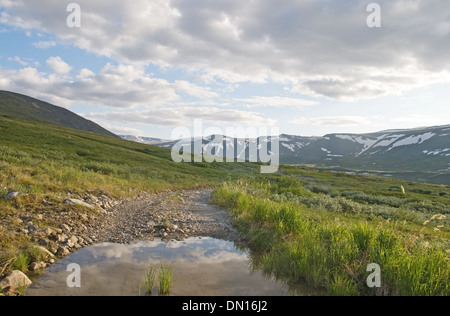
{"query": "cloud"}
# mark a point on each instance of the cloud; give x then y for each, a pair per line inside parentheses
(275, 102)
(19, 60)
(184, 116)
(114, 86)
(320, 48)
(58, 66)
(44, 44)
(119, 130)
(338, 121)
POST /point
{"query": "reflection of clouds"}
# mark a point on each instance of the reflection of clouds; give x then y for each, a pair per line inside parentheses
(110, 251)
(205, 250)
(201, 266)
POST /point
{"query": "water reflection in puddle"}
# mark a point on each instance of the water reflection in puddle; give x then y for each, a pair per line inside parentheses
(202, 267)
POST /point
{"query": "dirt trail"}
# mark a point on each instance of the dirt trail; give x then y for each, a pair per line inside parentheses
(168, 215)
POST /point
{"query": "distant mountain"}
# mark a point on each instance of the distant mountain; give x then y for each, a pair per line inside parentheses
(23, 107)
(421, 154)
(143, 140)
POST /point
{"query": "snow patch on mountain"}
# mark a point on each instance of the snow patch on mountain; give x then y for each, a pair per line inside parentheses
(413, 140)
(390, 139)
(291, 147)
(436, 152)
(366, 142)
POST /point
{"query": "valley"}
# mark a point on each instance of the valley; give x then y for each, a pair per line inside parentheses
(63, 190)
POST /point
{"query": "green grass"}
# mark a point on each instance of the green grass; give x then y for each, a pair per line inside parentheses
(328, 241)
(165, 279)
(163, 275)
(149, 281)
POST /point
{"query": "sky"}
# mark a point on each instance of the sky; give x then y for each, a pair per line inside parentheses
(305, 67)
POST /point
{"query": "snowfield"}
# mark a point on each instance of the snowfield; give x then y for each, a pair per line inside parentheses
(413, 140)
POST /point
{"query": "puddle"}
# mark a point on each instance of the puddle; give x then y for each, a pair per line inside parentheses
(202, 267)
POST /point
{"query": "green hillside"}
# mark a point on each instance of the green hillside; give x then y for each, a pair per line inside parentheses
(38, 158)
(24, 107)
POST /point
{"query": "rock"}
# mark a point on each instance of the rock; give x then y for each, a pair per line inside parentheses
(63, 251)
(37, 266)
(32, 227)
(45, 252)
(48, 232)
(72, 241)
(61, 238)
(44, 242)
(78, 203)
(24, 231)
(15, 280)
(65, 228)
(12, 195)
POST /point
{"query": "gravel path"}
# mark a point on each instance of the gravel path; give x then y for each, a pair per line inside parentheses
(169, 215)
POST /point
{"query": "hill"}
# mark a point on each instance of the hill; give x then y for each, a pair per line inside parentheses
(24, 107)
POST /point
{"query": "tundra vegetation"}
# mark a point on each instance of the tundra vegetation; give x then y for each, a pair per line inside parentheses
(326, 234)
(307, 226)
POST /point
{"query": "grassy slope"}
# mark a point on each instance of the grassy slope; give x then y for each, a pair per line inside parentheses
(42, 159)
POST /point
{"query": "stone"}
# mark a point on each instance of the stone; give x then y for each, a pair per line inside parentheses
(44, 242)
(61, 238)
(72, 241)
(63, 251)
(12, 195)
(37, 266)
(32, 227)
(48, 232)
(78, 203)
(15, 280)
(65, 227)
(45, 252)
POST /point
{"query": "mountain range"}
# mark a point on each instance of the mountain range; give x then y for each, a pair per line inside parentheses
(421, 154)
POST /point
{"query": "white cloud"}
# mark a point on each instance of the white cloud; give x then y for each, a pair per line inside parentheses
(275, 102)
(185, 116)
(44, 44)
(114, 86)
(119, 130)
(337, 121)
(58, 65)
(18, 60)
(321, 48)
